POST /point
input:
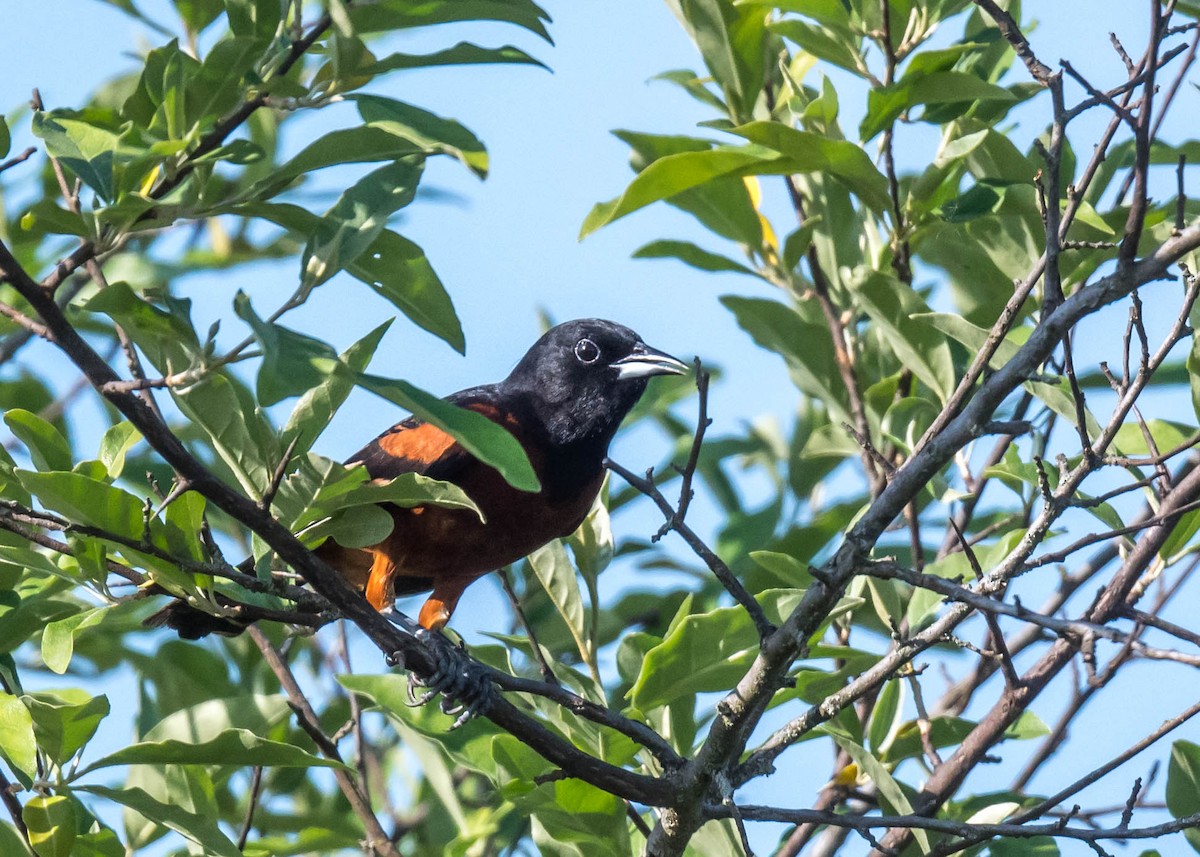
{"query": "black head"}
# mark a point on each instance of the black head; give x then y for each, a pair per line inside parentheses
(583, 376)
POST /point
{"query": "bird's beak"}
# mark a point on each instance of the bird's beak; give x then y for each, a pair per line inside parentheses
(644, 362)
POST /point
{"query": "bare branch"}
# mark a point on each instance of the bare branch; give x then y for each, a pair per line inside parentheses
(378, 842)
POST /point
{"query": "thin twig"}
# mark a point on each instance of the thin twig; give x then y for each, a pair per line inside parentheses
(645, 484)
(251, 804)
(377, 840)
(13, 805)
(539, 656)
(976, 832)
(21, 158)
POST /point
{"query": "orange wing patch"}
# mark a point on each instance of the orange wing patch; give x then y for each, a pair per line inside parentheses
(422, 445)
(494, 414)
(379, 584)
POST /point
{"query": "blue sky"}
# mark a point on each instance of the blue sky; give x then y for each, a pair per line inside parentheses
(507, 247)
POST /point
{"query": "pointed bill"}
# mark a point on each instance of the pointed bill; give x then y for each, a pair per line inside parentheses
(645, 362)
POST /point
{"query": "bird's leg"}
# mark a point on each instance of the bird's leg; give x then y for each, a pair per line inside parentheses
(464, 684)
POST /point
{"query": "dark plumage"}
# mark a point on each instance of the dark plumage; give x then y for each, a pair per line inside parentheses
(563, 401)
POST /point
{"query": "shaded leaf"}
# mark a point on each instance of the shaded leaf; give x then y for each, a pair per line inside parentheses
(674, 174)
(87, 150)
(885, 104)
(484, 439)
(231, 747)
(553, 569)
(357, 218)
(196, 828)
(810, 152)
(50, 820)
(317, 406)
(690, 254)
(397, 269)
(64, 721)
(706, 651)
(427, 130)
(292, 364)
(918, 345)
(463, 53)
(17, 743)
(47, 447)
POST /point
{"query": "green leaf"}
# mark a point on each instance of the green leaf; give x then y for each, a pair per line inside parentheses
(979, 200)
(885, 104)
(254, 17)
(238, 747)
(5, 138)
(489, 442)
(99, 843)
(398, 270)
(87, 150)
(400, 14)
(406, 490)
(198, 14)
(886, 715)
(1185, 528)
(918, 345)
(11, 842)
(732, 41)
(706, 652)
(464, 53)
(221, 407)
(724, 205)
(892, 797)
(470, 746)
(1028, 725)
(780, 329)
(183, 523)
(689, 253)
(87, 501)
(785, 570)
(810, 152)
(1057, 397)
(553, 569)
(344, 146)
(17, 744)
(292, 364)
(796, 245)
(45, 216)
(64, 721)
(832, 45)
(316, 407)
(357, 219)
(1193, 368)
(430, 132)
(196, 828)
(50, 820)
(219, 85)
(58, 643)
(115, 445)
(674, 174)
(1183, 779)
(358, 527)
(204, 721)
(47, 447)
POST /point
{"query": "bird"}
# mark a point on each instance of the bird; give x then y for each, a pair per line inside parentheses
(563, 402)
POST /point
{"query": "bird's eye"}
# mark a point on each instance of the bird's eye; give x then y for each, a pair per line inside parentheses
(587, 351)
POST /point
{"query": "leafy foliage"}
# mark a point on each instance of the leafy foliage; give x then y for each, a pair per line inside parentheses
(872, 537)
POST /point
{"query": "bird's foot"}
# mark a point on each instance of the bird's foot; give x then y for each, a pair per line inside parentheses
(463, 683)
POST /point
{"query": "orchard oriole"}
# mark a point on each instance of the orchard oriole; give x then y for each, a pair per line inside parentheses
(563, 402)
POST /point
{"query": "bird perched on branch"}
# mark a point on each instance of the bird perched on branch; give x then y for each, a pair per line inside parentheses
(563, 402)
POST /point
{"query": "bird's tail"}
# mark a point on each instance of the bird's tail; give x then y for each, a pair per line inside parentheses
(191, 623)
